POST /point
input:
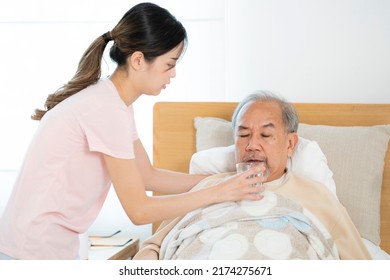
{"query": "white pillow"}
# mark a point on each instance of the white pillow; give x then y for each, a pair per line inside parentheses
(308, 160)
(213, 161)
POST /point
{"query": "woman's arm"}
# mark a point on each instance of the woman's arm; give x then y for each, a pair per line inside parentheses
(161, 180)
(142, 209)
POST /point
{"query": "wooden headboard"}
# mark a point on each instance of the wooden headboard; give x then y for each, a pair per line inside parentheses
(174, 135)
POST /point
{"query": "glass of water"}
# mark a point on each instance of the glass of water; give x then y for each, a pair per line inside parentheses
(244, 166)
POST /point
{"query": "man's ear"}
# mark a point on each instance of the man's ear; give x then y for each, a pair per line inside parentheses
(292, 143)
(136, 60)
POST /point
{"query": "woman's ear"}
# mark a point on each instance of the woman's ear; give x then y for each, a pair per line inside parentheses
(136, 60)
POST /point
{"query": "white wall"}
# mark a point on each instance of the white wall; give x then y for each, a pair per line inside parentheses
(306, 50)
(309, 50)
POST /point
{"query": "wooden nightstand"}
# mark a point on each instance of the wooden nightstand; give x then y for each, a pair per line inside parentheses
(128, 251)
(124, 252)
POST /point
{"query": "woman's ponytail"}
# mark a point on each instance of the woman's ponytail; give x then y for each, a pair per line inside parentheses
(88, 73)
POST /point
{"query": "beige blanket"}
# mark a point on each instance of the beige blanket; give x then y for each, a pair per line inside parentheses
(273, 228)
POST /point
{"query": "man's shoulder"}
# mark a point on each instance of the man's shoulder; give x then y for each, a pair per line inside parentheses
(306, 182)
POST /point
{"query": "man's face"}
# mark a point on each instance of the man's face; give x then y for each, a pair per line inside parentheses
(260, 136)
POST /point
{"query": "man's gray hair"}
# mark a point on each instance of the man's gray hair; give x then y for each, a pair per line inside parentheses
(289, 114)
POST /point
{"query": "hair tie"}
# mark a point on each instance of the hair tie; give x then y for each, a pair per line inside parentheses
(107, 37)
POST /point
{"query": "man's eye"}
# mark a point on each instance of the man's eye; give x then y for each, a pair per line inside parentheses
(243, 135)
(265, 135)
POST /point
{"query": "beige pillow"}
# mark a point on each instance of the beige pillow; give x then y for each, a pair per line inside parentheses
(356, 156)
(212, 132)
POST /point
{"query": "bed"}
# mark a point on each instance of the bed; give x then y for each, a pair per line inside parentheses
(365, 127)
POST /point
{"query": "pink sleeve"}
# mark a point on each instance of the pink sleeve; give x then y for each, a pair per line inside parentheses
(110, 131)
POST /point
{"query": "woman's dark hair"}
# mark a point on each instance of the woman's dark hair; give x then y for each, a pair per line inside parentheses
(146, 27)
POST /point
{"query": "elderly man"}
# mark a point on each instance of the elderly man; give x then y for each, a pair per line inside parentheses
(298, 218)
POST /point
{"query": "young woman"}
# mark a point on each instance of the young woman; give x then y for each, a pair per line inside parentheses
(87, 140)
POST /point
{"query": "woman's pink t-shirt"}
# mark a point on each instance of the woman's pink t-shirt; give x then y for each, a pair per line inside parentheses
(63, 182)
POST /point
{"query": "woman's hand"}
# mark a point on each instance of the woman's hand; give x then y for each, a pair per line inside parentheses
(242, 186)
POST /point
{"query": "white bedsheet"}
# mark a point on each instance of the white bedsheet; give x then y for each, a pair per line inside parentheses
(376, 252)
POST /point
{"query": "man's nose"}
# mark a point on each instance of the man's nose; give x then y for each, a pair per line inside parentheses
(254, 144)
